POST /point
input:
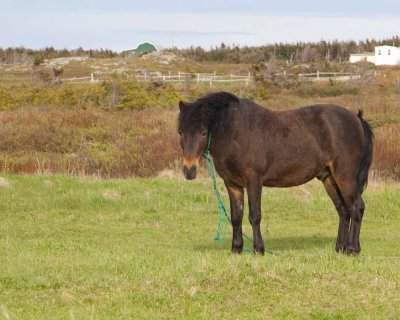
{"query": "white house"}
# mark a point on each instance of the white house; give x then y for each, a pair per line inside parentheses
(383, 55)
(387, 55)
(366, 56)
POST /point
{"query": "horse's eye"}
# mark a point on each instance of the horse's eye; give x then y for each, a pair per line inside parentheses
(180, 133)
(204, 133)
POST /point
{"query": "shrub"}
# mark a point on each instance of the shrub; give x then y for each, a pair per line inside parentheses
(332, 89)
(109, 144)
(114, 95)
(387, 151)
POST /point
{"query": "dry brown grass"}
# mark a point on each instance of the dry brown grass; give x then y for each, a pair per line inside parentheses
(109, 144)
(387, 151)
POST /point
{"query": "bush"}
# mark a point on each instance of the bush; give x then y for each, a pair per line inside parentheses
(108, 144)
(114, 95)
(387, 151)
(332, 89)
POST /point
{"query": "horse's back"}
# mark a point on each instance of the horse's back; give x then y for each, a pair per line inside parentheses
(333, 124)
(310, 139)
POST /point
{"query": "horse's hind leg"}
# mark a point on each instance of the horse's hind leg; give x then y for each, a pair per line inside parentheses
(353, 245)
(354, 208)
(344, 217)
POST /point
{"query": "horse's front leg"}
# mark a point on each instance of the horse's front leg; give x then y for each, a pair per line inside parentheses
(254, 189)
(236, 201)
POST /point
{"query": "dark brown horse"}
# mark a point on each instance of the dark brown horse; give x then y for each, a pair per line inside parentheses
(254, 147)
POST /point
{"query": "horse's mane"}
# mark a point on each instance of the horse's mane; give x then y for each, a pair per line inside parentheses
(218, 100)
(211, 111)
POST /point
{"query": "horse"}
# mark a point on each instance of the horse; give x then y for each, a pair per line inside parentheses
(252, 146)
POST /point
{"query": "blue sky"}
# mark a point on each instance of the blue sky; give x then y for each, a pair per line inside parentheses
(122, 24)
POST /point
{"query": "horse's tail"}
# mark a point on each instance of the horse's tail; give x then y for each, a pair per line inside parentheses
(362, 177)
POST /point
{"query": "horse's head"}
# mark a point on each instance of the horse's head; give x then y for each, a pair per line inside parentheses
(193, 135)
(208, 114)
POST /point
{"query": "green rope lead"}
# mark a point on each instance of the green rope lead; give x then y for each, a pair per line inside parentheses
(224, 219)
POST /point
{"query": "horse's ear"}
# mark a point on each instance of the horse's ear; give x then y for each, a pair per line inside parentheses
(182, 105)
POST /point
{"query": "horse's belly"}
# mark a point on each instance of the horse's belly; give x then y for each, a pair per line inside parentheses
(285, 182)
(291, 178)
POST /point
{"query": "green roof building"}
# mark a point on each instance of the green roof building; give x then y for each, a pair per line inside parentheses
(142, 48)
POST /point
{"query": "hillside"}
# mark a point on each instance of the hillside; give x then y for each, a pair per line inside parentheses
(112, 123)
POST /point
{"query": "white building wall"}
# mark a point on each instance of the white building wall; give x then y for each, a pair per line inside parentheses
(371, 59)
(362, 57)
(387, 55)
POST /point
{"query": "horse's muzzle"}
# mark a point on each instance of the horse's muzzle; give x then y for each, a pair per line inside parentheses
(190, 173)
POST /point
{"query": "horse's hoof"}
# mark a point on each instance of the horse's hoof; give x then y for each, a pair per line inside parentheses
(340, 248)
(352, 250)
(259, 251)
(237, 250)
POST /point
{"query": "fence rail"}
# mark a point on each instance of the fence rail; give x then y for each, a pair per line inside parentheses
(197, 77)
(207, 78)
(326, 76)
(213, 77)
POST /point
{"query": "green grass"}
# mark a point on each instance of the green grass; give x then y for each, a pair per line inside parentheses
(83, 248)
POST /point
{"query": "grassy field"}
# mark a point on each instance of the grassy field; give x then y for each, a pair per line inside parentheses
(84, 248)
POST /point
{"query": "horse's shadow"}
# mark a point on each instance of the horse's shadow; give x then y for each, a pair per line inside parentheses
(298, 243)
(282, 244)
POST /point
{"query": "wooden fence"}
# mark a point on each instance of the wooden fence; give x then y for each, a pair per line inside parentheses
(209, 78)
(204, 78)
(326, 76)
(213, 78)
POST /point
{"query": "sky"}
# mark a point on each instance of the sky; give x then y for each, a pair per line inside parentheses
(123, 24)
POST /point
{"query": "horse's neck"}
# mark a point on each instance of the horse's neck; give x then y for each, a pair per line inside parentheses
(241, 124)
(221, 138)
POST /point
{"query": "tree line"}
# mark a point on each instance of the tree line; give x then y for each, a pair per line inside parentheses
(299, 52)
(22, 54)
